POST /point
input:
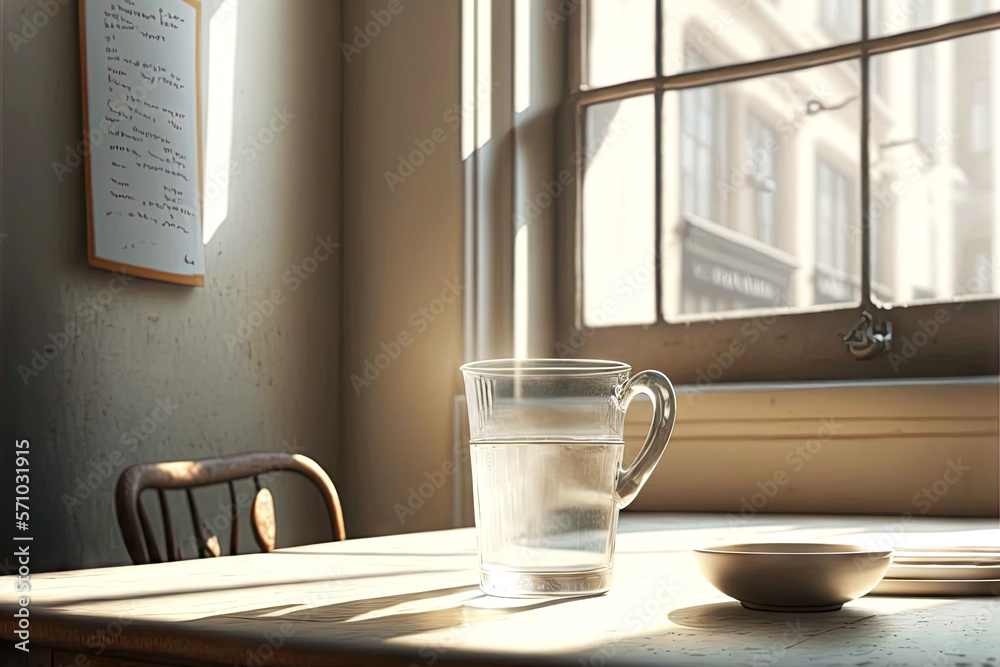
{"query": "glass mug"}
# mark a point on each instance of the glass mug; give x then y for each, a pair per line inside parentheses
(546, 468)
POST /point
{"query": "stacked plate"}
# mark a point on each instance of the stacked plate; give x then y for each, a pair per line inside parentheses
(942, 571)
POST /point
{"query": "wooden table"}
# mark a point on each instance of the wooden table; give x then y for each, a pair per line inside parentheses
(413, 600)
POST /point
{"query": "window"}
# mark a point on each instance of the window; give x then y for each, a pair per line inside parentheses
(841, 18)
(876, 25)
(698, 164)
(762, 159)
(834, 201)
(926, 122)
(703, 214)
(979, 117)
(749, 189)
(882, 279)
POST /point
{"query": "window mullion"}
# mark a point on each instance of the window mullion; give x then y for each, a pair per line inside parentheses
(871, 335)
(658, 166)
(793, 62)
(866, 282)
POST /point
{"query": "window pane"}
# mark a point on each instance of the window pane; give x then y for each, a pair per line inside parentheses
(761, 194)
(703, 34)
(621, 41)
(889, 17)
(935, 173)
(619, 282)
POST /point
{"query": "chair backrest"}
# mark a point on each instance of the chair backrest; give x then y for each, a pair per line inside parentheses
(135, 525)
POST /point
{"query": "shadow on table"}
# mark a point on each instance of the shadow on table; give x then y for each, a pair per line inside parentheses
(732, 617)
(360, 619)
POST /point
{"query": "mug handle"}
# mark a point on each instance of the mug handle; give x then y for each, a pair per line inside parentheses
(655, 385)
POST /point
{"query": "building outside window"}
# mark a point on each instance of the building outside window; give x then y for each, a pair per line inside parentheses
(732, 229)
(743, 227)
(841, 18)
(700, 135)
(835, 204)
(761, 152)
(979, 117)
(926, 118)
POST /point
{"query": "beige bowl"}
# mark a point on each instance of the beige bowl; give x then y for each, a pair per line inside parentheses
(793, 577)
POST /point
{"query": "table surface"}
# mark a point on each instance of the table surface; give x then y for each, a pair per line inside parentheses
(413, 599)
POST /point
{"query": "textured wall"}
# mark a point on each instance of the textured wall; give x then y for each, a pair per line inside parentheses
(402, 331)
(152, 356)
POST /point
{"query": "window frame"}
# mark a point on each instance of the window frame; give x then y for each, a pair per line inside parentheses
(769, 345)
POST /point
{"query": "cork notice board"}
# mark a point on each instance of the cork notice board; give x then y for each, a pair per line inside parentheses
(141, 103)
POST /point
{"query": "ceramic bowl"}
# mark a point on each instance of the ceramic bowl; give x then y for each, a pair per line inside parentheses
(793, 577)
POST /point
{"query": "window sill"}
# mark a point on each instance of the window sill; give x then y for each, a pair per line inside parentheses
(924, 447)
(869, 447)
(803, 345)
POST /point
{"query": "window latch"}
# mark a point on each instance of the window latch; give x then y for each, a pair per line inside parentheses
(869, 337)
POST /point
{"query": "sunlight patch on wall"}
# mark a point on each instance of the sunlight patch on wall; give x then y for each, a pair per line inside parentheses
(521, 292)
(522, 55)
(219, 126)
(484, 72)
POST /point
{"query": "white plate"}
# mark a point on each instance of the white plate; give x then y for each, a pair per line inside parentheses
(942, 572)
(944, 558)
(937, 587)
(981, 548)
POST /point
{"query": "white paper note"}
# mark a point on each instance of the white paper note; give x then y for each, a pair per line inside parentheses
(142, 113)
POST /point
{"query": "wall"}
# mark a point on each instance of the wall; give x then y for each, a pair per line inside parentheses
(156, 344)
(403, 250)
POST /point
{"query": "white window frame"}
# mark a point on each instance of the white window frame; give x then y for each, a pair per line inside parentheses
(524, 293)
(684, 349)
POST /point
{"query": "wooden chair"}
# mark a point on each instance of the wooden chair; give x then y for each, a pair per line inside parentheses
(135, 525)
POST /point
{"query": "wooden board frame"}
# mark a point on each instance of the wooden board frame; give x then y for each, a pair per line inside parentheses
(193, 280)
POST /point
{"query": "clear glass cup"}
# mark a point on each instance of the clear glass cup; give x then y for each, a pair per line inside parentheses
(546, 468)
